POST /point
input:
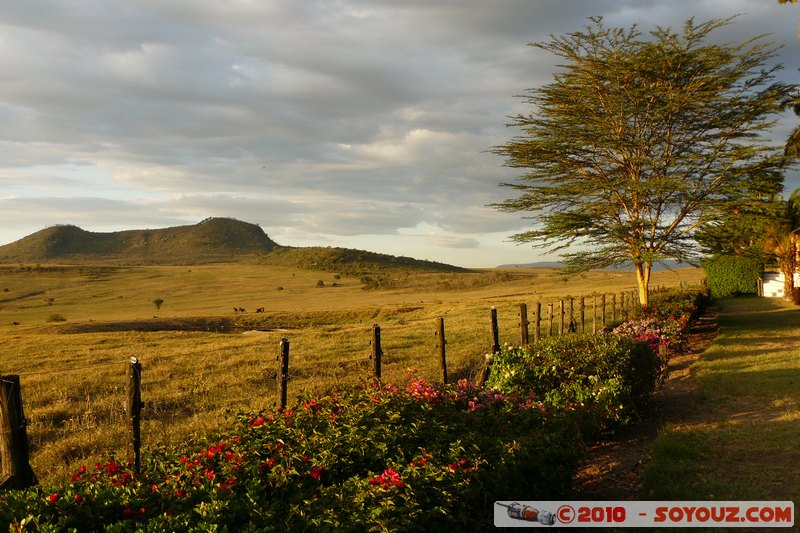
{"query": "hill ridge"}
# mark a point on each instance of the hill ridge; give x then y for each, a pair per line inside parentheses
(211, 240)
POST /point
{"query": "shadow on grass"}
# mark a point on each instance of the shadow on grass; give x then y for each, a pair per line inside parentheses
(739, 442)
(752, 460)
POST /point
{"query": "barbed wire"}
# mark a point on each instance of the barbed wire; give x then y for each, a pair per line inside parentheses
(61, 370)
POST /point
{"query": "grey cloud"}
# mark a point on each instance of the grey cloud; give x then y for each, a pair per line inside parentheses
(343, 118)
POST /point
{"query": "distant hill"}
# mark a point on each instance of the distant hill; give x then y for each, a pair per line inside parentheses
(350, 261)
(668, 264)
(214, 239)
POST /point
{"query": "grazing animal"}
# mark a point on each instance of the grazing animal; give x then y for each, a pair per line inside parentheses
(15, 323)
(235, 309)
(260, 310)
(242, 310)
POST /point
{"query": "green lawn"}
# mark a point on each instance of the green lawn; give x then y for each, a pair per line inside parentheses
(742, 442)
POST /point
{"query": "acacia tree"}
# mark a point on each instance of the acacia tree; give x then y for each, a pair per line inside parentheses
(638, 140)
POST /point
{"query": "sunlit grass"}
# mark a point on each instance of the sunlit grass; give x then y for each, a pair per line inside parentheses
(744, 444)
(73, 384)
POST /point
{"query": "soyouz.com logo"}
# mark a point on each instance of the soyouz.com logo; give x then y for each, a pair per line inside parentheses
(644, 514)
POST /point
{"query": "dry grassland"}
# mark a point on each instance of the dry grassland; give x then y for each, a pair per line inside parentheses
(201, 361)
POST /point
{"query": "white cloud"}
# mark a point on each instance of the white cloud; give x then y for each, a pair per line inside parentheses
(329, 120)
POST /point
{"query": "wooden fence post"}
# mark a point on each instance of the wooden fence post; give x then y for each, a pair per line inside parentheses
(561, 317)
(603, 305)
(495, 348)
(283, 372)
(613, 308)
(594, 313)
(15, 468)
(135, 412)
(537, 321)
(523, 324)
(487, 368)
(582, 307)
(495, 331)
(377, 353)
(550, 320)
(442, 349)
(573, 327)
(623, 309)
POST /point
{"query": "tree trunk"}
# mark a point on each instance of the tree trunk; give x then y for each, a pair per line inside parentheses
(643, 280)
(787, 269)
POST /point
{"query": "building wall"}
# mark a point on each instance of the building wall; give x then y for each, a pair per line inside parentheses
(773, 284)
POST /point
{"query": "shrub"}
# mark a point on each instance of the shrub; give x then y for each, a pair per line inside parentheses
(56, 317)
(606, 378)
(730, 275)
(415, 457)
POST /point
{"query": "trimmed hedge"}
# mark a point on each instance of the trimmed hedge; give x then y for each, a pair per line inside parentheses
(730, 275)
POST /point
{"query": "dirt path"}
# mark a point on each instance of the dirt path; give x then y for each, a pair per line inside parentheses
(614, 467)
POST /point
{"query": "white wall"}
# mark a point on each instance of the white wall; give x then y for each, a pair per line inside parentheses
(773, 284)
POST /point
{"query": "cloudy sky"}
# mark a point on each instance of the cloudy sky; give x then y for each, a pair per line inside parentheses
(358, 123)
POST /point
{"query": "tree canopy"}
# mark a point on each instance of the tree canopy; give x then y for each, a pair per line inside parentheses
(639, 139)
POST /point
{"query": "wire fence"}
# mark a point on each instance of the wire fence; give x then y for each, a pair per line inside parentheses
(72, 419)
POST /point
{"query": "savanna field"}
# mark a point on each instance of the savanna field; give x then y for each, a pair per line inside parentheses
(208, 367)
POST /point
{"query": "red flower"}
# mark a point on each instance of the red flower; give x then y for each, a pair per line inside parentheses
(54, 497)
(269, 464)
(180, 493)
(257, 422)
(78, 498)
(316, 472)
(210, 474)
(387, 479)
(112, 467)
(226, 485)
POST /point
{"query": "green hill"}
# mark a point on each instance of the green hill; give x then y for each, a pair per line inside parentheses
(212, 240)
(351, 262)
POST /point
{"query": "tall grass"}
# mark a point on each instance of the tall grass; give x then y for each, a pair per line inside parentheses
(73, 373)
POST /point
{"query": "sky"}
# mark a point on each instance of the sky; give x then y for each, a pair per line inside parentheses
(358, 123)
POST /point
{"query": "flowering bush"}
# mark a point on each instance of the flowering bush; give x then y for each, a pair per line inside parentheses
(605, 379)
(664, 325)
(418, 456)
